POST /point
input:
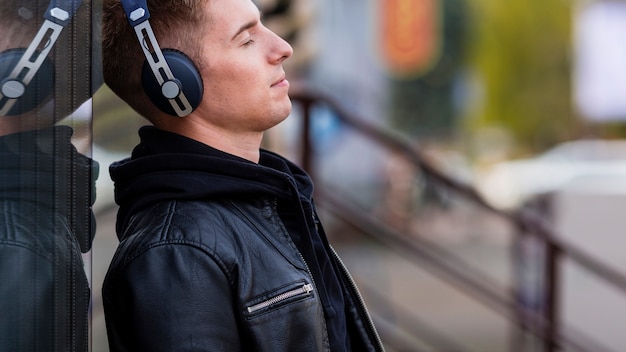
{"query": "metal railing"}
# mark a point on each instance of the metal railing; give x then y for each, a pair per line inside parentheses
(544, 324)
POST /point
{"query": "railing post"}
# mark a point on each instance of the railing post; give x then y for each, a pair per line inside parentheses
(529, 257)
(551, 279)
(519, 266)
(536, 264)
(551, 294)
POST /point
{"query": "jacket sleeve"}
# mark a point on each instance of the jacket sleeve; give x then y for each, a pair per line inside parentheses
(26, 304)
(43, 303)
(172, 297)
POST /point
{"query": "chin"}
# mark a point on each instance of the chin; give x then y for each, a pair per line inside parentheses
(280, 116)
(286, 113)
(284, 109)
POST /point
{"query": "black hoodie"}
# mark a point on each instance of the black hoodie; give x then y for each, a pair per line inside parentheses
(166, 166)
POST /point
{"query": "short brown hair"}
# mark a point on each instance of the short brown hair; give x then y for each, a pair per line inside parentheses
(177, 24)
(20, 23)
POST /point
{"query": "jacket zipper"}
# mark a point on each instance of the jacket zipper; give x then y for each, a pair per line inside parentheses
(305, 290)
(359, 300)
(275, 210)
(306, 266)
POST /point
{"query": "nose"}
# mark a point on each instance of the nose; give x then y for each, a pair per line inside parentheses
(281, 49)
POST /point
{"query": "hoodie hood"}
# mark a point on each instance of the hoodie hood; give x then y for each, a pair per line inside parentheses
(44, 168)
(167, 166)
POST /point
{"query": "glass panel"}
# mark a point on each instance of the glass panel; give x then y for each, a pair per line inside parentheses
(46, 173)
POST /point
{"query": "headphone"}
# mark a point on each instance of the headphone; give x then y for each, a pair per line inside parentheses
(169, 77)
(19, 67)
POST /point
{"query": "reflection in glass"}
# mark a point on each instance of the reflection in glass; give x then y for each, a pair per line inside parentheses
(46, 185)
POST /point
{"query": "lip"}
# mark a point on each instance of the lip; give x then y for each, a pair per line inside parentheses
(281, 82)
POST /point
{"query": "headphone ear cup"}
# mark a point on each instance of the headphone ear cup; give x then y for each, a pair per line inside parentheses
(186, 75)
(39, 88)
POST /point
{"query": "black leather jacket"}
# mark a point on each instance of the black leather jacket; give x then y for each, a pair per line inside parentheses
(46, 222)
(210, 272)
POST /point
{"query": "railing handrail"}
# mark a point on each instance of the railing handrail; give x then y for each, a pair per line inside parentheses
(453, 271)
(527, 221)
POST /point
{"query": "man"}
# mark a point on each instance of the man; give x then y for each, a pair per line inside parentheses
(220, 246)
(45, 184)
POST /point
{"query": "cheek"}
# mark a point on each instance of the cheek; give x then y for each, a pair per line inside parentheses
(236, 82)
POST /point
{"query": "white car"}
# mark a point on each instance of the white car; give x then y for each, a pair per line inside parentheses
(590, 163)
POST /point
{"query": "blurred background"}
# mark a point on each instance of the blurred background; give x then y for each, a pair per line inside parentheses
(469, 159)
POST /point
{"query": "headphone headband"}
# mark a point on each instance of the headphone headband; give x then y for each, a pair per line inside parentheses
(57, 17)
(171, 88)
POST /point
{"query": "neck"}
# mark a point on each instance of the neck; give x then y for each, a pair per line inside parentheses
(245, 145)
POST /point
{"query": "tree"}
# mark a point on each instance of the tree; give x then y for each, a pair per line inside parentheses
(520, 50)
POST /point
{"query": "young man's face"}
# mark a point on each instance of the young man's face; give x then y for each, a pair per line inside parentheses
(245, 85)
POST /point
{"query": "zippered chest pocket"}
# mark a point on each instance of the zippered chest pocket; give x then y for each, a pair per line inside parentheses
(279, 298)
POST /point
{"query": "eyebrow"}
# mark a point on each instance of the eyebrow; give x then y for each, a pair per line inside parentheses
(248, 25)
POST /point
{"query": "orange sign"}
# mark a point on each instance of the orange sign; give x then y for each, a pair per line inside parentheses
(410, 35)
